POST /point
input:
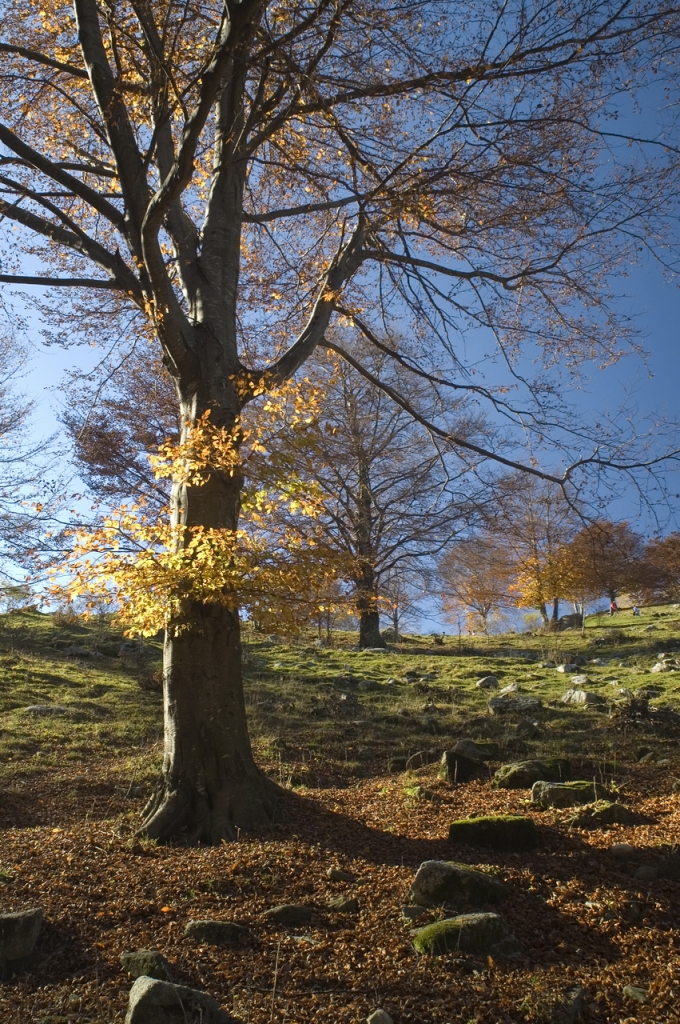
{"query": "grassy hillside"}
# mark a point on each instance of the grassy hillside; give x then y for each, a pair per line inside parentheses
(81, 741)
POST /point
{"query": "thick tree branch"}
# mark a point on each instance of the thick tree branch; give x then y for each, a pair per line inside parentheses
(60, 282)
(41, 58)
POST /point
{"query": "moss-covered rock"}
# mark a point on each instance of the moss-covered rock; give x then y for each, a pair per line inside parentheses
(523, 774)
(146, 963)
(567, 794)
(498, 831)
(439, 882)
(215, 933)
(484, 751)
(603, 813)
(290, 915)
(456, 768)
(483, 934)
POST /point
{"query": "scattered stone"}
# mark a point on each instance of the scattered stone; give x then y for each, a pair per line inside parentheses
(215, 933)
(599, 661)
(344, 905)
(475, 751)
(638, 995)
(483, 934)
(579, 681)
(148, 963)
(290, 915)
(646, 873)
(661, 666)
(632, 911)
(567, 794)
(499, 831)
(601, 814)
(572, 621)
(648, 629)
(160, 1002)
(422, 758)
(379, 1017)
(513, 705)
(413, 913)
(47, 710)
(567, 668)
(456, 768)
(338, 875)
(523, 774)
(569, 1008)
(440, 882)
(528, 730)
(404, 712)
(19, 933)
(583, 698)
(646, 758)
(367, 684)
(397, 764)
(487, 683)
(625, 853)
(510, 688)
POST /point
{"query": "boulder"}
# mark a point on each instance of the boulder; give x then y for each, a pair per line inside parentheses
(337, 875)
(483, 934)
(19, 933)
(567, 794)
(601, 814)
(569, 1007)
(661, 666)
(528, 730)
(379, 1017)
(499, 831)
(440, 882)
(422, 758)
(160, 1002)
(147, 963)
(570, 667)
(457, 768)
(215, 933)
(475, 751)
(489, 682)
(579, 680)
(625, 853)
(510, 688)
(512, 704)
(573, 621)
(290, 915)
(583, 698)
(344, 905)
(523, 774)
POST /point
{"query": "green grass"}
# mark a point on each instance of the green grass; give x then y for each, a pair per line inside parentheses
(310, 706)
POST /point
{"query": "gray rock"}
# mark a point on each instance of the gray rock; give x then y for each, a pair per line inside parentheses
(567, 668)
(19, 933)
(523, 774)
(148, 963)
(579, 681)
(413, 913)
(661, 666)
(440, 882)
(646, 873)
(483, 934)
(475, 751)
(489, 682)
(572, 621)
(514, 705)
(528, 730)
(337, 875)
(160, 1002)
(215, 933)
(344, 905)
(290, 915)
(567, 794)
(583, 698)
(457, 768)
(638, 995)
(602, 814)
(47, 710)
(569, 1009)
(625, 853)
(422, 758)
(379, 1017)
(510, 688)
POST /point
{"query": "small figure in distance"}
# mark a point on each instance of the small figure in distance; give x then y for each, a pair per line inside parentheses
(613, 608)
(636, 610)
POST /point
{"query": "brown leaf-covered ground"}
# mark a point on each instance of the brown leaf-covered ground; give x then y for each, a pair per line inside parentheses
(71, 789)
(67, 847)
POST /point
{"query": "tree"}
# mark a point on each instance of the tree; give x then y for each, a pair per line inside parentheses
(662, 557)
(535, 522)
(475, 573)
(608, 559)
(231, 178)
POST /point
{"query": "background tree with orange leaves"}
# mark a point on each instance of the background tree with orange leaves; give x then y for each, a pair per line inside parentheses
(232, 178)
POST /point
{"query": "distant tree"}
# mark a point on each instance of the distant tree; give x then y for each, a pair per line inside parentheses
(607, 559)
(534, 522)
(475, 574)
(662, 556)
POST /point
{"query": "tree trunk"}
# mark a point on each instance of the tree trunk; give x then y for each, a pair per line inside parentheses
(556, 609)
(210, 787)
(544, 614)
(369, 616)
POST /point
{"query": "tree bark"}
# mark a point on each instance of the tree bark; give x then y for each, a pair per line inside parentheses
(369, 621)
(556, 609)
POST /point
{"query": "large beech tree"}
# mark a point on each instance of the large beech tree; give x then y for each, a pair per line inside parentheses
(234, 177)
